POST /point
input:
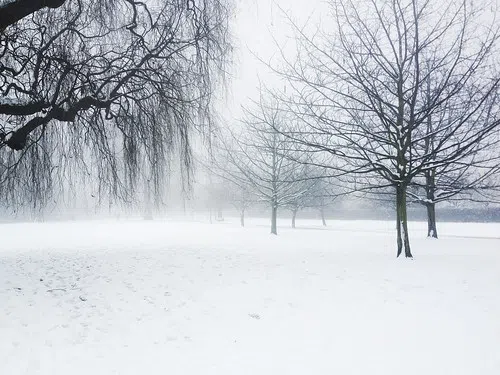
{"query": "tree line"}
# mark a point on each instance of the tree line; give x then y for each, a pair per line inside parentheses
(399, 100)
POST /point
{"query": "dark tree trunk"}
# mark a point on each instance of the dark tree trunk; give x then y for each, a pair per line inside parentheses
(294, 215)
(398, 224)
(274, 216)
(430, 187)
(431, 220)
(14, 11)
(323, 216)
(242, 217)
(403, 239)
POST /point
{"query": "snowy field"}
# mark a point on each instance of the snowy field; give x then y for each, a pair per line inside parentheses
(160, 297)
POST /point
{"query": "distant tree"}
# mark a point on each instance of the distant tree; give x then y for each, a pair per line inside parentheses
(314, 190)
(217, 198)
(304, 182)
(232, 185)
(242, 199)
(323, 194)
(259, 158)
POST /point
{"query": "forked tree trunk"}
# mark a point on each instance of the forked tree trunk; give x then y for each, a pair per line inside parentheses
(274, 216)
(294, 215)
(403, 239)
(431, 220)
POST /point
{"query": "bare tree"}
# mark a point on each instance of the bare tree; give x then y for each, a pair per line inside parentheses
(260, 158)
(359, 90)
(461, 179)
(242, 199)
(324, 193)
(230, 185)
(311, 183)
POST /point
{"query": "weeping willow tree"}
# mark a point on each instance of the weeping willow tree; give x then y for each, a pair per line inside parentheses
(104, 92)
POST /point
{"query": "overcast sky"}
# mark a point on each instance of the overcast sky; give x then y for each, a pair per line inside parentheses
(254, 23)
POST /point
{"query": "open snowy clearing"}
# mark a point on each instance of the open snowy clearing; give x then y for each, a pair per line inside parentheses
(138, 297)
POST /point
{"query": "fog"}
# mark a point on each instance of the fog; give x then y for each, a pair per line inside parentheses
(267, 187)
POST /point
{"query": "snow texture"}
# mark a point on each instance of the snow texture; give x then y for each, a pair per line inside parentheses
(192, 298)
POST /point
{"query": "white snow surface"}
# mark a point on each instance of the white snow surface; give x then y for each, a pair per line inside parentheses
(138, 297)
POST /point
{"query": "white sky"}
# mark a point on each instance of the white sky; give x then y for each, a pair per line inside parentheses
(254, 22)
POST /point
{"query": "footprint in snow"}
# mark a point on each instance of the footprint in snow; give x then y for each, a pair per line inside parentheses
(254, 316)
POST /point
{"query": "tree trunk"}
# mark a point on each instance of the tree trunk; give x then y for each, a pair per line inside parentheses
(274, 216)
(274, 199)
(403, 239)
(242, 218)
(430, 187)
(13, 11)
(398, 223)
(294, 215)
(323, 216)
(431, 220)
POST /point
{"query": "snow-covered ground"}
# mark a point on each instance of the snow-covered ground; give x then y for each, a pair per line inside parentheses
(137, 297)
